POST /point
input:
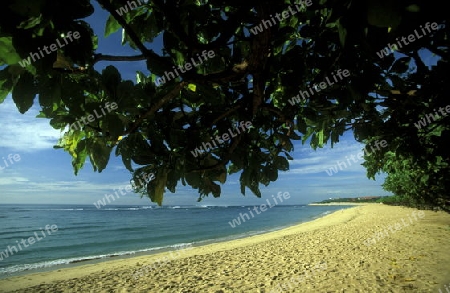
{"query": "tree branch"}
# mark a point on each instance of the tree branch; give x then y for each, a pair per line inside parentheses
(283, 118)
(260, 51)
(226, 114)
(172, 94)
(225, 160)
(230, 26)
(101, 57)
(421, 67)
(276, 111)
(149, 54)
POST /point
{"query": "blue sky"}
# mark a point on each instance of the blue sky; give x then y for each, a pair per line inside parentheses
(45, 175)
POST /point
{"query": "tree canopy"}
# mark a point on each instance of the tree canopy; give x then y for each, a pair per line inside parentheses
(295, 70)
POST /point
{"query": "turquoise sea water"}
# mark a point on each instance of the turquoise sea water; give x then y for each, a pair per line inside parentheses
(34, 237)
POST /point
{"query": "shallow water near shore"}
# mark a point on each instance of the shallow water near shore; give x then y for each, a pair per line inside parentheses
(86, 234)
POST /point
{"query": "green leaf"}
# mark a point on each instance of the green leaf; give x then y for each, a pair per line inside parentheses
(80, 158)
(222, 178)
(50, 93)
(282, 163)
(271, 172)
(160, 66)
(111, 26)
(215, 189)
(342, 33)
(111, 78)
(31, 22)
(114, 125)
(320, 137)
(6, 84)
(172, 179)
(156, 187)
(125, 152)
(192, 87)
(193, 179)
(309, 132)
(99, 155)
(143, 160)
(244, 180)
(254, 187)
(413, 8)
(383, 13)
(24, 92)
(8, 54)
(141, 78)
(301, 125)
(27, 8)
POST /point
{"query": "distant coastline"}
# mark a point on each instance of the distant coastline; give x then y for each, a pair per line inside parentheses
(341, 203)
(350, 201)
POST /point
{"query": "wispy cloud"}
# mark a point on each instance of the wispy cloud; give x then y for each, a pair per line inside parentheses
(12, 180)
(317, 161)
(28, 190)
(25, 133)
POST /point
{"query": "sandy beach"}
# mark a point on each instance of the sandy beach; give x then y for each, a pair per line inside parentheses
(369, 248)
(341, 204)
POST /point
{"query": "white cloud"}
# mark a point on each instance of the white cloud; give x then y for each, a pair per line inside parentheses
(12, 180)
(317, 161)
(25, 133)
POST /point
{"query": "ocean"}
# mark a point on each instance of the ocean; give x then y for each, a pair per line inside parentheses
(46, 237)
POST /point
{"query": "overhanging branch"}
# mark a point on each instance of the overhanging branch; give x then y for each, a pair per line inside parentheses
(223, 162)
(172, 94)
(149, 54)
(101, 57)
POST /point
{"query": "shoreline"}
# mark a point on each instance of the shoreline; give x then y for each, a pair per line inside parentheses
(343, 204)
(162, 252)
(267, 260)
(95, 259)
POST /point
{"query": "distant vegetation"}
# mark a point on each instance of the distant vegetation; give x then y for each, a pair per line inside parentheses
(409, 202)
(355, 199)
(389, 200)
